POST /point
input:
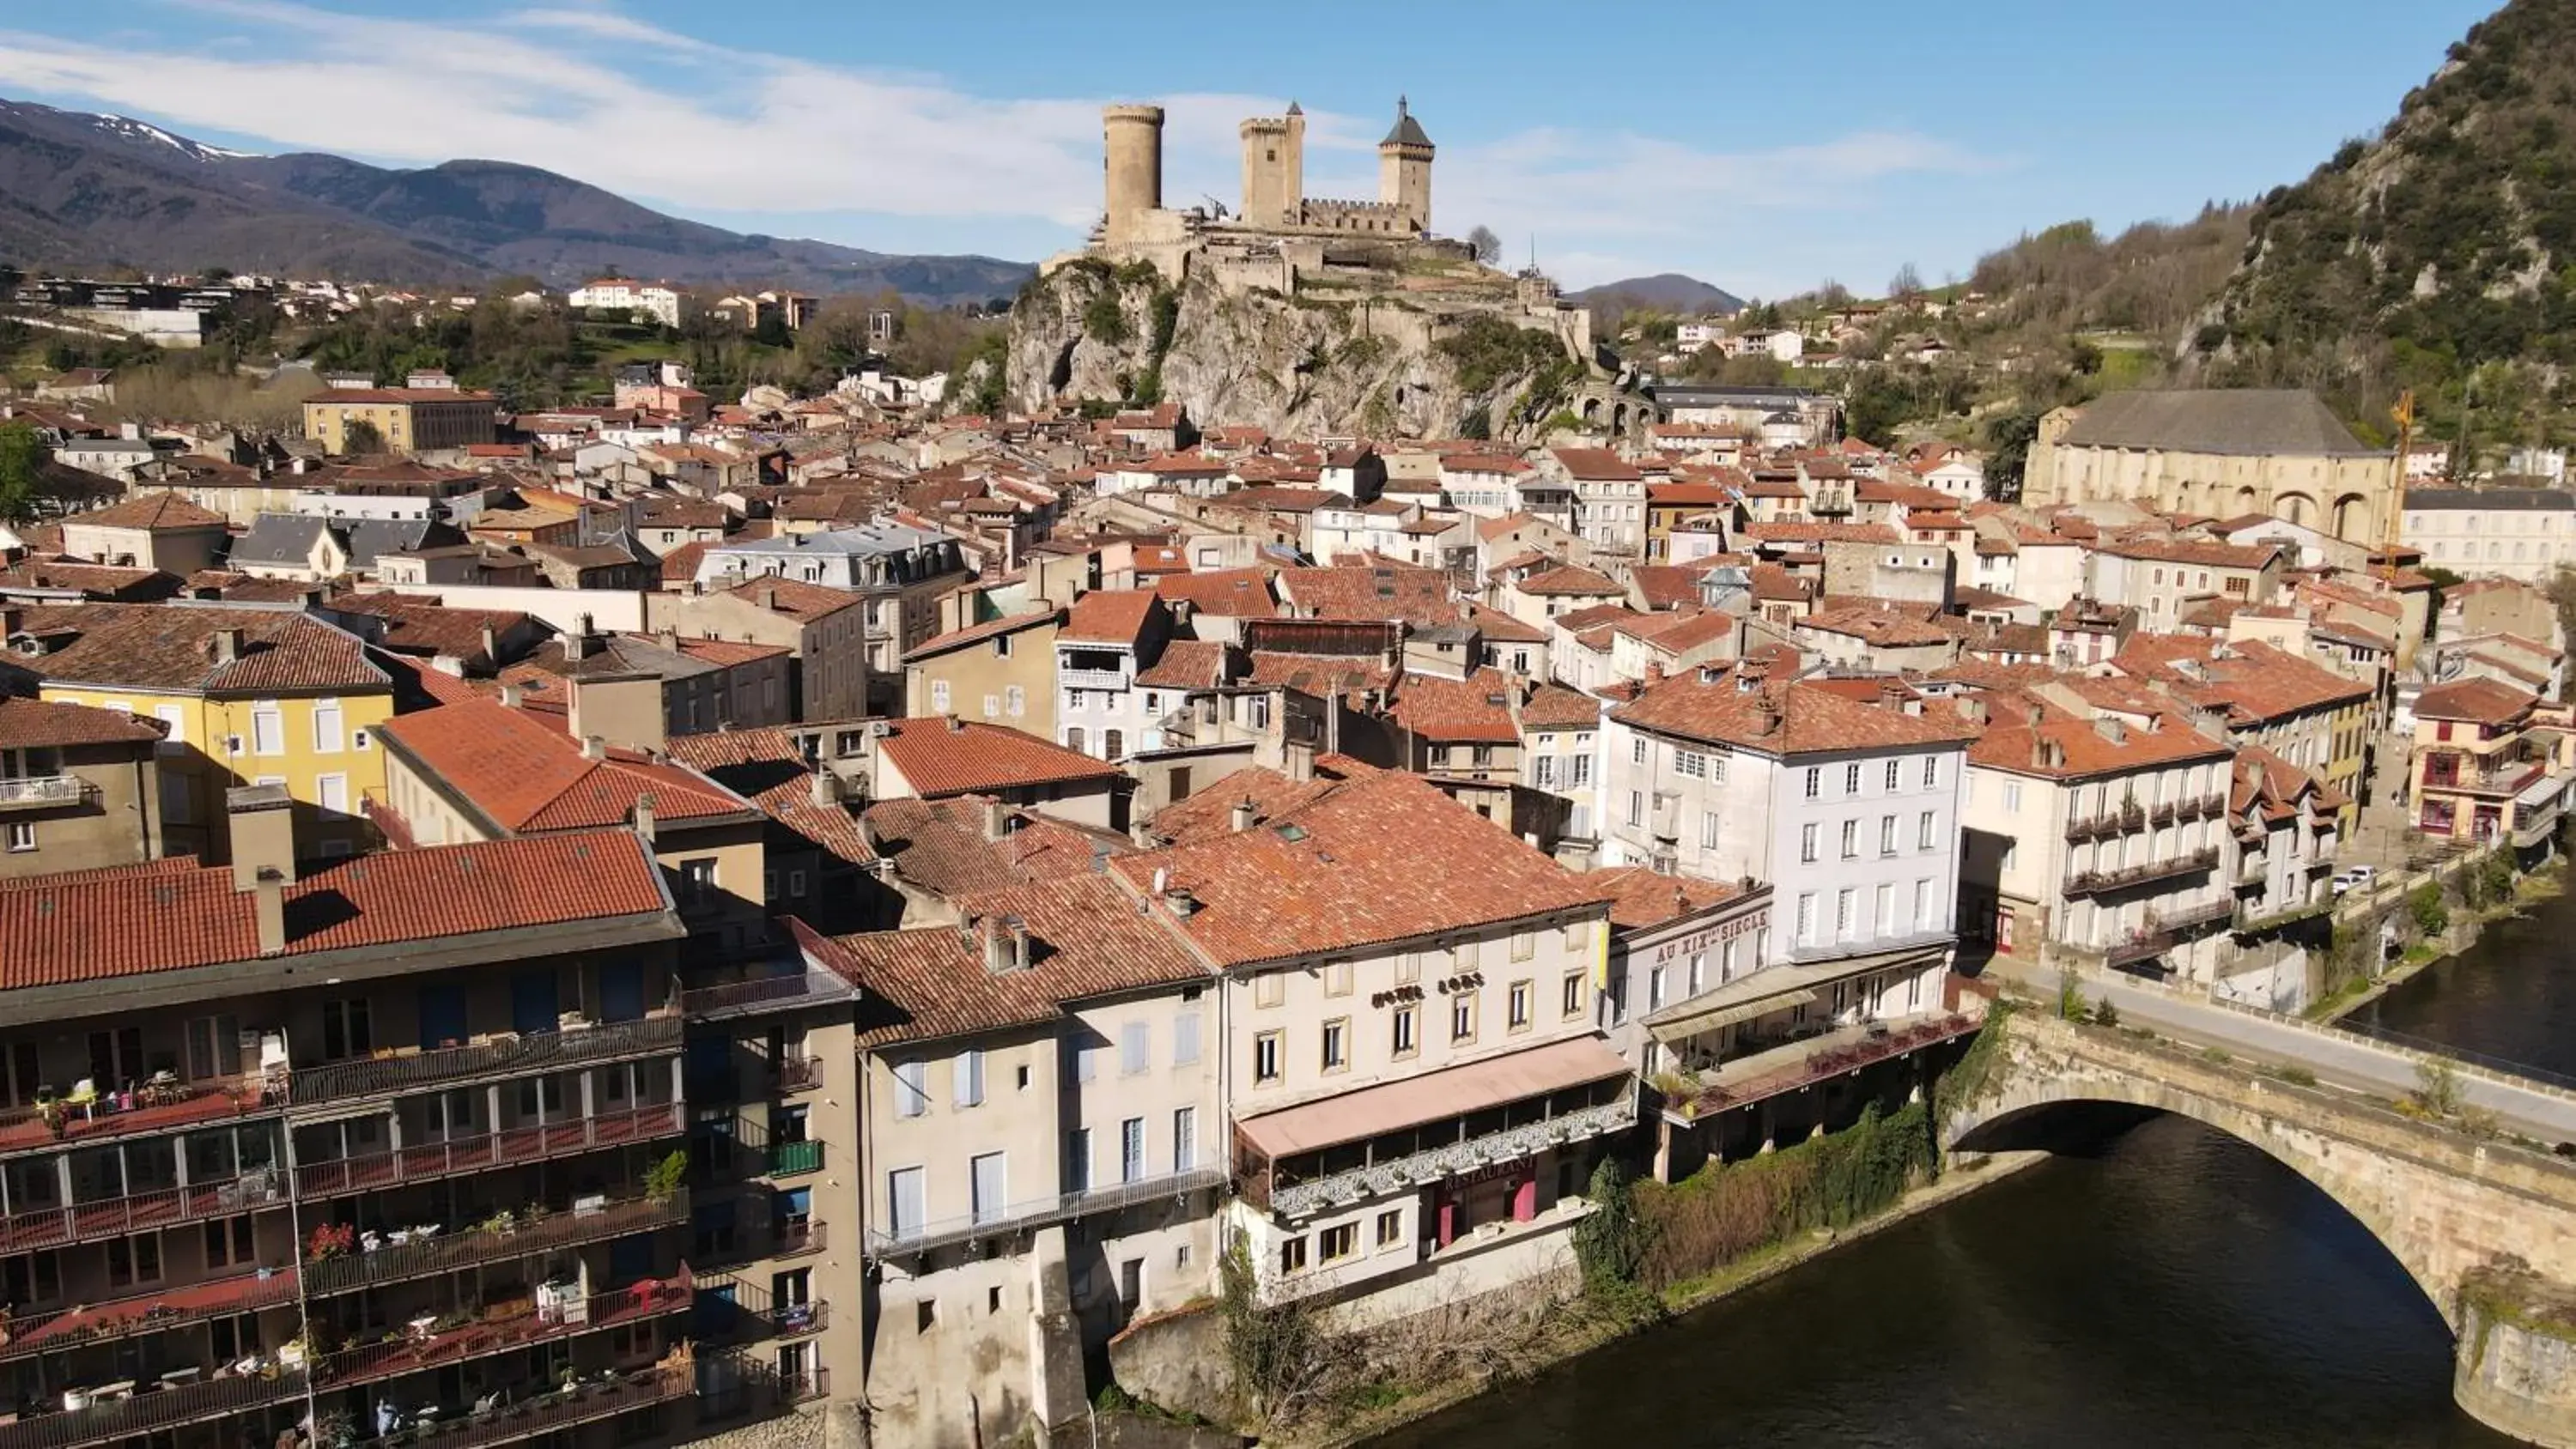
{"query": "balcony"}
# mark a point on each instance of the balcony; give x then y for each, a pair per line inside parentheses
(524, 1238)
(2140, 946)
(2097, 882)
(510, 1326)
(38, 792)
(761, 1387)
(508, 1054)
(735, 1311)
(1069, 677)
(149, 1411)
(796, 1074)
(910, 1239)
(132, 1113)
(2129, 817)
(542, 1414)
(47, 1331)
(776, 1240)
(789, 1159)
(2511, 778)
(2189, 918)
(118, 1217)
(486, 1151)
(762, 995)
(1765, 1074)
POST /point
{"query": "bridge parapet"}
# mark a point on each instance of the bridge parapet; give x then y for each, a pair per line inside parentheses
(2486, 1228)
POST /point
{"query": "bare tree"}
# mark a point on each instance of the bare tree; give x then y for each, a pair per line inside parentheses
(1906, 285)
(1484, 245)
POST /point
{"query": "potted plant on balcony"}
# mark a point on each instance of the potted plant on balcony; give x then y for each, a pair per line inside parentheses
(662, 1180)
(330, 1240)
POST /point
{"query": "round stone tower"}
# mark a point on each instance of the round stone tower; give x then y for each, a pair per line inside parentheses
(1133, 156)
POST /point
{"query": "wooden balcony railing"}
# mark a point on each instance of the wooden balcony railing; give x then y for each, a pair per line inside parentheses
(488, 1150)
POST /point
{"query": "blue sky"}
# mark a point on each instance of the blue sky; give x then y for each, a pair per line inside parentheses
(1761, 147)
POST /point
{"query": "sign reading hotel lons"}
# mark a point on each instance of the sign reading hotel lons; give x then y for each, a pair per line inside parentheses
(1702, 940)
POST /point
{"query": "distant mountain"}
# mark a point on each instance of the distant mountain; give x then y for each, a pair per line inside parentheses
(81, 190)
(1665, 292)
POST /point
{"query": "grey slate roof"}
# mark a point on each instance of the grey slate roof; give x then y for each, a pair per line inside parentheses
(1407, 131)
(2489, 500)
(287, 539)
(2246, 422)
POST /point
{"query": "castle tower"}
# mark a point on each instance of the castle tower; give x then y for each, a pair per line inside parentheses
(1132, 154)
(1274, 168)
(1404, 169)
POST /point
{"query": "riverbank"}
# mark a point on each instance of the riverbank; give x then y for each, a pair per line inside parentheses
(2467, 927)
(1586, 1334)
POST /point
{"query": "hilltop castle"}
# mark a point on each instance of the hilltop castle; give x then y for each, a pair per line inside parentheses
(1281, 241)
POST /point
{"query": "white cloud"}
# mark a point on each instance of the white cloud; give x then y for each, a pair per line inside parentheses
(589, 91)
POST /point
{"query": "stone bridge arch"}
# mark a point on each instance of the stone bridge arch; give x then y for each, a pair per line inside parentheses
(2453, 1210)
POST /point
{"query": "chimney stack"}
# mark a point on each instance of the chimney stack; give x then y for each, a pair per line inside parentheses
(644, 817)
(594, 748)
(826, 791)
(228, 645)
(1242, 816)
(997, 820)
(581, 641)
(491, 645)
(268, 909)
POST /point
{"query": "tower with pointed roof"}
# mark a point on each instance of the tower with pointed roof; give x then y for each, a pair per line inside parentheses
(1404, 169)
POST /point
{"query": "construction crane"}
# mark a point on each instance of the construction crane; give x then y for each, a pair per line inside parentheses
(2404, 414)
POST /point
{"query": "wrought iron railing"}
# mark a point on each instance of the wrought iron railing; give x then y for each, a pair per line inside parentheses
(405, 1352)
(516, 1055)
(2098, 882)
(762, 994)
(487, 1150)
(543, 1413)
(44, 790)
(1421, 1169)
(48, 1330)
(1036, 1212)
(118, 1217)
(525, 1236)
(152, 1409)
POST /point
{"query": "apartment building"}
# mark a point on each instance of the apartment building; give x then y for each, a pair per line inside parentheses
(371, 1150)
(1609, 499)
(2163, 578)
(900, 571)
(2285, 822)
(2298, 709)
(823, 630)
(1415, 1086)
(244, 695)
(1109, 638)
(1037, 1095)
(2099, 842)
(2489, 764)
(2513, 533)
(1002, 670)
(403, 420)
(79, 788)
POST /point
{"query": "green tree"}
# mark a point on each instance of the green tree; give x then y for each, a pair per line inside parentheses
(23, 456)
(361, 439)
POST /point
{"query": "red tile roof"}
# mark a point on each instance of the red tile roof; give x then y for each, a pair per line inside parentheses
(155, 510)
(1556, 707)
(527, 778)
(1229, 593)
(1109, 616)
(1185, 664)
(1476, 709)
(2249, 679)
(1597, 465)
(1790, 719)
(977, 633)
(173, 647)
(793, 597)
(768, 767)
(27, 724)
(1364, 861)
(99, 925)
(953, 757)
(1572, 579)
(2479, 701)
(1639, 897)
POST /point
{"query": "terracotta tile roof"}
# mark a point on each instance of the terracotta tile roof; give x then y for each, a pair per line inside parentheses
(1109, 616)
(1667, 586)
(2479, 701)
(1556, 707)
(174, 647)
(1679, 633)
(154, 510)
(2249, 679)
(1419, 596)
(1374, 859)
(1228, 593)
(36, 724)
(1323, 676)
(417, 625)
(1790, 719)
(1476, 709)
(1489, 529)
(1820, 533)
(1572, 579)
(101, 581)
(2063, 746)
(1185, 664)
(1594, 616)
(2195, 552)
(1597, 464)
(1882, 627)
(1499, 627)
(99, 925)
(727, 652)
(768, 768)
(945, 757)
(527, 778)
(793, 597)
(1086, 939)
(1689, 495)
(1481, 463)
(940, 845)
(1640, 898)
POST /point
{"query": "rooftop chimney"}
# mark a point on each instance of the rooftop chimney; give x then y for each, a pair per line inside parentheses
(268, 909)
(260, 820)
(826, 791)
(580, 643)
(997, 820)
(1242, 816)
(491, 644)
(956, 725)
(227, 645)
(593, 747)
(2111, 728)
(512, 696)
(644, 817)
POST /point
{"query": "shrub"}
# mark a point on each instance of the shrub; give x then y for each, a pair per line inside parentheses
(1104, 319)
(2424, 903)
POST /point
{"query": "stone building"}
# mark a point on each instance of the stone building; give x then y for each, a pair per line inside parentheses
(2225, 453)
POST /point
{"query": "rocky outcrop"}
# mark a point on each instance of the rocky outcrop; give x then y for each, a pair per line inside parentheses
(1320, 363)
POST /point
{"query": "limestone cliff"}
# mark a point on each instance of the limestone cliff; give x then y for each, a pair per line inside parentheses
(1325, 362)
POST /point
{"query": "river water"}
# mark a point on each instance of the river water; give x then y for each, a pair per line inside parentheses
(2164, 1288)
